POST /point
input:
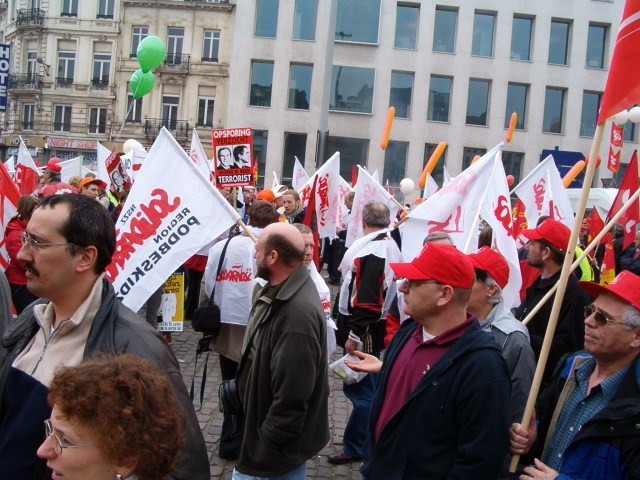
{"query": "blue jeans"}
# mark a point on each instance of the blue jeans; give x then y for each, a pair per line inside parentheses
(298, 473)
(356, 431)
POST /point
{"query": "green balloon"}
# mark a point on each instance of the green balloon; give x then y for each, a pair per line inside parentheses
(141, 83)
(150, 53)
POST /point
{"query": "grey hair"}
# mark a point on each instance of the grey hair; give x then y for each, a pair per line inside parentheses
(376, 215)
(435, 236)
(631, 318)
(497, 295)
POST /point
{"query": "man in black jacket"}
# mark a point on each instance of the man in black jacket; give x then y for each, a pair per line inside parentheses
(67, 246)
(546, 248)
(441, 409)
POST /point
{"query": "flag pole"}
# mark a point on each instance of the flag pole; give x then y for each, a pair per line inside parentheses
(247, 230)
(593, 245)
(562, 284)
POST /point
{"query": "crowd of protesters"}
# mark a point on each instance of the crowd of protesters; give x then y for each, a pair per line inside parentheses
(448, 366)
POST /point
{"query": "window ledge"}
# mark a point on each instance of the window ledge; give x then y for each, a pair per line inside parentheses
(445, 53)
(558, 64)
(442, 122)
(474, 125)
(483, 56)
(366, 44)
(369, 114)
(561, 134)
(520, 60)
(293, 109)
(597, 69)
(414, 49)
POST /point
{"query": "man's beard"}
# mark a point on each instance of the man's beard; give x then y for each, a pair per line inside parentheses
(263, 272)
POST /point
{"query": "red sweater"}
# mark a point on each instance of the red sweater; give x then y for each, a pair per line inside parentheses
(15, 271)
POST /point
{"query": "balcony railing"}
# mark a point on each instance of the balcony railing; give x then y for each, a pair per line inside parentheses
(209, 59)
(30, 16)
(174, 61)
(179, 128)
(25, 81)
(104, 16)
(99, 84)
(64, 82)
(26, 125)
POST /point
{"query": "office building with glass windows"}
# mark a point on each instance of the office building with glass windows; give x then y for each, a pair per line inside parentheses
(453, 70)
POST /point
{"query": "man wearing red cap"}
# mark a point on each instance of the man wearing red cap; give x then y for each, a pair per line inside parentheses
(589, 416)
(53, 182)
(492, 275)
(546, 249)
(441, 409)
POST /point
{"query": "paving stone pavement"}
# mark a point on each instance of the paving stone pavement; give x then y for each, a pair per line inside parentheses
(210, 418)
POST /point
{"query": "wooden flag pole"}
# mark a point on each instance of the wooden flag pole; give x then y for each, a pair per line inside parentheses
(594, 244)
(246, 230)
(562, 284)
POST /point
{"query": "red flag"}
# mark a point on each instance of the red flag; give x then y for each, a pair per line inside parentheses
(9, 196)
(519, 219)
(613, 163)
(608, 269)
(628, 186)
(617, 135)
(596, 224)
(622, 89)
(311, 221)
(354, 175)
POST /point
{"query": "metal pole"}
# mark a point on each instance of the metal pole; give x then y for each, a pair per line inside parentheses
(323, 128)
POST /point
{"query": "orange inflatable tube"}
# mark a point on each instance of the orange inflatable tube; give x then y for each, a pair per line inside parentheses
(386, 131)
(573, 173)
(512, 127)
(431, 164)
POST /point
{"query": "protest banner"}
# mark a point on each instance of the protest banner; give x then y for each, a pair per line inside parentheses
(172, 304)
(327, 196)
(166, 219)
(300, 176)
(120, 181)
(198, 156)
(233, 153)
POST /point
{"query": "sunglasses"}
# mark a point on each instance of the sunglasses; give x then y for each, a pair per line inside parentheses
(600, 317)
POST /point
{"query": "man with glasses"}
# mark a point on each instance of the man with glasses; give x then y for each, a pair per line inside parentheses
(67, 245)
(589, 416)
(441, 408)
(545, 251)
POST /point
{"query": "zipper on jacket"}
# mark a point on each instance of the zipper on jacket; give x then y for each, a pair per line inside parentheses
(46, 344)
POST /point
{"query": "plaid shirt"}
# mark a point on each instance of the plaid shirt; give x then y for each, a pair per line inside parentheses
(579, 409)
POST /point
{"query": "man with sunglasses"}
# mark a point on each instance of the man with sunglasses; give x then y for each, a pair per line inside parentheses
(66, 247)
(441, 407)
(545, 251)
(589, 416)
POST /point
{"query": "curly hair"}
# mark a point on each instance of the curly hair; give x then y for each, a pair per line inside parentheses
(127, 405)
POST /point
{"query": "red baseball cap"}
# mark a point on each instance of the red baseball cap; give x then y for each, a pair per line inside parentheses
(443, 263)
(87, 180)
(493, 263)
(625, 286)
(54, 165)
(552, 231)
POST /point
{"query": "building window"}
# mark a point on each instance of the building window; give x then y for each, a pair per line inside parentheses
(353, 151)
(521, 38)
(205, 112)
(439, 98)
(295, 146)
(512, 162)
(590, 107)
(483, 26)
(260, 142)
(134, 109)
(401, 93)
(98, 120)
(266, 18)
(516, 102)
(629, 132)
(175, 39)
(170, 105)
(304, 20)
(469, 153)
(407, 18)
(596, 45)
(28, 114)
(358, 21)
(32, 65)
(559, 42)
(62, 118)
(553, 110)
(261, 83)
(101, 67)
(105, 8)
(66, 67)
(211, 46)
(395, 161)
(444, 30)
(137, 35)
(299, 86)
(478, 102)
(438, 172)
(69, 8)
(352, 89)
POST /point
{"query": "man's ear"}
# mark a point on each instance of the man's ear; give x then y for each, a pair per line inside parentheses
(445, 295)
(87, 257)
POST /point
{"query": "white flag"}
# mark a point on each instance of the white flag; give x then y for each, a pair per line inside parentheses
(430, 188)
(327, 196)
(102, 155)
(367, 191)
(453, 209)
(496, 211)
(542, 193)
(198, 156)
(275, 184)
(300, 176)
(166, 219)
(375, 176)
(71, 168)
(446, 177)
(343, 211)
(10, 164)
(27, 174)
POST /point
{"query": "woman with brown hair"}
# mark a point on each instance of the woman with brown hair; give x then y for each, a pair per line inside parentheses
(112, 418)
(20, 296)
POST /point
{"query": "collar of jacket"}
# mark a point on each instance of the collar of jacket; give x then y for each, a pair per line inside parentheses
(292, 284)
